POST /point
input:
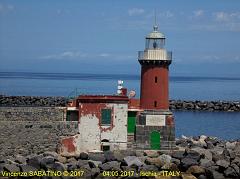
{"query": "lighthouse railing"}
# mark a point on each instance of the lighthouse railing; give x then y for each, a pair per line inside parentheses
(160, 54)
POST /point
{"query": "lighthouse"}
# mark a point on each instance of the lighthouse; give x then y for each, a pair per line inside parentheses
(155, 127)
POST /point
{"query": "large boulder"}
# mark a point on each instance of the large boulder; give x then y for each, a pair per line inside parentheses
(178, 154)
(20, 159)
(27, 168)
(223, 163)
(196, 170)
(133, 160)
(206, 163)
(231, 173)
(203, 152)
(46, 161)
(83, 156)
(35, 161)
(11, 168)
(97, 157)
(155, 161)
(151, 153)
(187, 176)
(187, 162)
(193, 155)
(113, 165)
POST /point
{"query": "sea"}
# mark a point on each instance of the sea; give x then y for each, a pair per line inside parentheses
(224, 125)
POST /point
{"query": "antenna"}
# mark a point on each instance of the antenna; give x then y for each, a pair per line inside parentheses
(155, 27)
(155, 17)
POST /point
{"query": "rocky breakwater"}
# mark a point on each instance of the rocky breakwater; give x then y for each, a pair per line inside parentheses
(41, 101)
(230, 106)
(198, 157)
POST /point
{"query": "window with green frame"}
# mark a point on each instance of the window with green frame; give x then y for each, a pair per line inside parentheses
(106, 116)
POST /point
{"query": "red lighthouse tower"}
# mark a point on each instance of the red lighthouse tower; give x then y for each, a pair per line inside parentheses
(155, 128)
(154, 74)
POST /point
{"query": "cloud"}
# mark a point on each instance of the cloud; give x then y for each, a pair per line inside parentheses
(4, 8)
(198, 13)
(65, 55)
(104, 55)
(226, 17)
(135, 11)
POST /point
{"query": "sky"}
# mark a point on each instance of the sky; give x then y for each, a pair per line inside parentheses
(92, 36)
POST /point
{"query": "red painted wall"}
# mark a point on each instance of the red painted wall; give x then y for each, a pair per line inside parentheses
(152, 91)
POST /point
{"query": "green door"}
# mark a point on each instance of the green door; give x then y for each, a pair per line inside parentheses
(155, 140)
(131, 122)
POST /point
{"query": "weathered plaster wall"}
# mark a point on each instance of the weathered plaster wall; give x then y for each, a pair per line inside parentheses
(27, 130)
(92, 133)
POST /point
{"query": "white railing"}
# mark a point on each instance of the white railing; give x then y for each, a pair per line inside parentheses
(159, 54)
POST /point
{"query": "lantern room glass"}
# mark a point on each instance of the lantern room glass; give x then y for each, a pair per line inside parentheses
(155, 43)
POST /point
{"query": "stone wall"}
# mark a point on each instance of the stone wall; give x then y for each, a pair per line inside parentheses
(205, 105)
(174, 104)
(32, 113)
(32, 130)
(31, 137)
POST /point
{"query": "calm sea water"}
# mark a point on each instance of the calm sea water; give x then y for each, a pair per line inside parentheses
(221, 124)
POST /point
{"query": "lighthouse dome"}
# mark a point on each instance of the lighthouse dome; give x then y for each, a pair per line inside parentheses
(155, 34)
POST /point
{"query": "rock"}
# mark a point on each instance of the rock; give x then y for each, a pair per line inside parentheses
(193, 155)
(237, 149)
(34, 161)
(202, 177)
(133, 160)
(151, 153)
(166, 159)
(209, 145)
(187, 176)
(46, 161)
(27, 168)
(230, 145)
(223, 163)
(203, 152)
(57, 166)
(20, 159)
(83, 156)
(113, 165)
(50, 153)
(155, 161)
(109, 156)
(178, 154)
(206, 163)
(11, 168)
(170, 166)
(187, 162)
(236, 168)
(118, 155)
(148, 168)
(95, 172)
(81, 163)
(236, 161)
(97, 157)
(196, 170)
(62, 159)
(176, 161)
(71, 160)
(230, 172)
(217, 175)
(94, 164)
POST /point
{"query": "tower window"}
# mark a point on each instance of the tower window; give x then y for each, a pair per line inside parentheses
(156, 79)
(155, 103)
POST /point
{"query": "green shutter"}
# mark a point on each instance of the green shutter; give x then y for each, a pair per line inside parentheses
(131, 122)
(106, 116)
